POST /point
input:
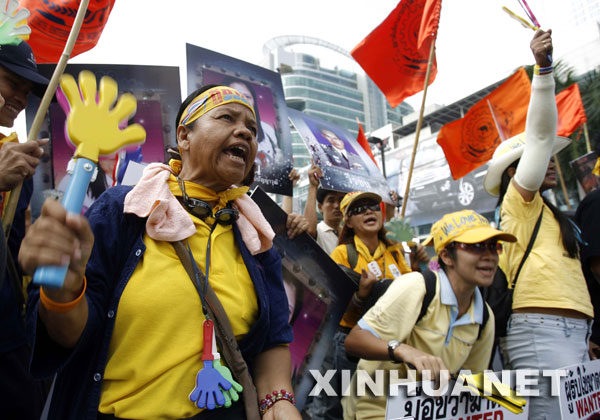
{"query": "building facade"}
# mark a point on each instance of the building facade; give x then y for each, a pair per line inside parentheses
(337, 94)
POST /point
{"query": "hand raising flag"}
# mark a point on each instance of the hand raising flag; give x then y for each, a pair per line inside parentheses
(395, 54)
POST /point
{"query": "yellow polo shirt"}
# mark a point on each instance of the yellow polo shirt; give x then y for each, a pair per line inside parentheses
(549, 278)
(439, 333)
(156, 347)
(390, 262)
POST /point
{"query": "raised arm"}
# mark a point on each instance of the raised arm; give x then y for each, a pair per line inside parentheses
(542, 117)
(310, 208)
(288, 201)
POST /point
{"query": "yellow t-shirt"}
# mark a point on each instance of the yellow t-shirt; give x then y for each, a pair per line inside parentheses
(389, 260)
(156, 346)
(394, 317)
(549, 278)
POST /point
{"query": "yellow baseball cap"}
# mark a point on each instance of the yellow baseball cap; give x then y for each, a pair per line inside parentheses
(464, 226)
(352, 197)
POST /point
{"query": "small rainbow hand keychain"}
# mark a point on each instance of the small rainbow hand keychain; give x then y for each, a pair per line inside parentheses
(232, 394)
(92, 126)
(13, 27)
(210, 381)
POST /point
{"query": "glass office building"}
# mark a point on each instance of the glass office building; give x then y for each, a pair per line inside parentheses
(336, 94)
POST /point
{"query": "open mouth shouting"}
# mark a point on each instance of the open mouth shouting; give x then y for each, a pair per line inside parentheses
(238, 152)
(370, 220)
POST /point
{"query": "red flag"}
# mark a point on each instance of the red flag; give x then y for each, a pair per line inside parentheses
(571, 113)
(362, 140)
(51, 22)
(470, 142)
(395, 54)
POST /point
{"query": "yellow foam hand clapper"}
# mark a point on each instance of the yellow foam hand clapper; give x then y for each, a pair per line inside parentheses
(93, 127)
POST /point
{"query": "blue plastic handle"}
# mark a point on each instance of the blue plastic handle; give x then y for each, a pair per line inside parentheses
(53, 275)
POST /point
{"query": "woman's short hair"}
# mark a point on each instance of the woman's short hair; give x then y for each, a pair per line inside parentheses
(451, 252)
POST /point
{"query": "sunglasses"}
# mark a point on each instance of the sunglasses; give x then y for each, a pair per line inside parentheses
(361, 209)
(479, 248)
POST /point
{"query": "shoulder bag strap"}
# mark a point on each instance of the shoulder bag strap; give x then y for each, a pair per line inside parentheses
(224, 332)
(529, 246)
(352, 254)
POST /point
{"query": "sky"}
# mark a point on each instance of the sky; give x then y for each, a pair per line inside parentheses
(477, 44)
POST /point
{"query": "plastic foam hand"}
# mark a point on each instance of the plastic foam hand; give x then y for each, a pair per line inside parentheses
(232, 394)
(94, 129)
(91, 125)
(399, 230)
(209, 381)
(13, 23)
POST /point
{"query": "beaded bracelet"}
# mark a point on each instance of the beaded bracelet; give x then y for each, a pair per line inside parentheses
(542, 70)
(59, 307)
(269, 400)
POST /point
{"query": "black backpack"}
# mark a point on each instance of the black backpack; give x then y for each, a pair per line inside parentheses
(381, 286)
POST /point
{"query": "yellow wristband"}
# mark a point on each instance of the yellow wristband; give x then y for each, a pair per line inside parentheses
(59, 307)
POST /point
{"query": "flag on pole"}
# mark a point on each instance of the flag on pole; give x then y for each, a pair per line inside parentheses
(571, 113)
(470, 141)
(395, 54)
(362, 140)
(51, 22)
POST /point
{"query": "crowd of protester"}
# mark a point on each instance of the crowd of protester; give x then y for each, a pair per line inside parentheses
(157, 270)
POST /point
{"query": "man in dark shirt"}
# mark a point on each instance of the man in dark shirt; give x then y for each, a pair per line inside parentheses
(20, 396)
(589, 222)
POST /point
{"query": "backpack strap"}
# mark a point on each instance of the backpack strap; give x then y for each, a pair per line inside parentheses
(529, 247)
(484, 321)
(430, 284)
(352, 255)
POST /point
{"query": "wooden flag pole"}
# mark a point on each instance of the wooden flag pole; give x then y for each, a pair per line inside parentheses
(418, 132)
(587, 137)
(13, 199)
(562, 183)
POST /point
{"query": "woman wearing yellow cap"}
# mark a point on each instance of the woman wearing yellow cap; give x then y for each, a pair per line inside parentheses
(128, 334)
(453, 331)
(551, 308)
(365, 249)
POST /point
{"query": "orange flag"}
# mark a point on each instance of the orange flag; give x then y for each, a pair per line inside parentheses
(51, 22)
(571, 113)
(362, 140)
(395, 54)
(470, 142)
